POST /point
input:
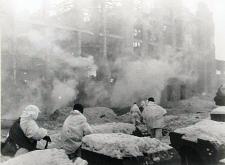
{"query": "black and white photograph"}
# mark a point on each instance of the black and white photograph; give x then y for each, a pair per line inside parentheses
(112, 82)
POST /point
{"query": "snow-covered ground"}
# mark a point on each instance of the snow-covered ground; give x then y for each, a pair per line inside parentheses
(180, 114)
(41, 157)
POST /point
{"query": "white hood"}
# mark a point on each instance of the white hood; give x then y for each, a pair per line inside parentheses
(28, 124)
(30, 111)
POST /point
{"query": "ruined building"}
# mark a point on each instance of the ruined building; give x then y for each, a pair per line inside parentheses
(108, 29)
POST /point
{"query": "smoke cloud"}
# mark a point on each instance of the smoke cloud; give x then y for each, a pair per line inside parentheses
(136, 78)
(63, 93)
(141, 79)
(61, 73)
(97, 93)
(66, 74)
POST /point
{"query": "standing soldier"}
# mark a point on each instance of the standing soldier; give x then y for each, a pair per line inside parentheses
(153, 116)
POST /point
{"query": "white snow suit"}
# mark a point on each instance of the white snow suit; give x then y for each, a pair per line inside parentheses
(142, 106)
(153, 116)
(143, 103)
(135, 114)
(28, 124)
(74, 128)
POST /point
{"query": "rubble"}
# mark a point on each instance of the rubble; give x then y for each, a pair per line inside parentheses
(176, 118)
(114, 128)
(41, 157)
(99, 115)
(120, 145)
(94, 115)
(207, 130)
(195, 104)
(219, 110)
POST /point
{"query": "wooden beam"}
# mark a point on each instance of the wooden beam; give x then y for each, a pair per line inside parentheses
(67, 28)
(79, 43)
(40, 23)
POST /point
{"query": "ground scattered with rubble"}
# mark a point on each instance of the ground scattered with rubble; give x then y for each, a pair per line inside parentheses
(180, 114)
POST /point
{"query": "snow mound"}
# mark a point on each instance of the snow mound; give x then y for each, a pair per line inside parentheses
(99, 115)
(222, 161)
(126, 118)
(41, 157)
(93, 114)
(174, 122)
(193, 104)
(4, 158)
(114, 128)
(101, 128)
(219, 110)
(120, 145)
(207, 130)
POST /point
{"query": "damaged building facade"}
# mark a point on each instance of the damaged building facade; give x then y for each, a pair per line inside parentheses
(108, 30)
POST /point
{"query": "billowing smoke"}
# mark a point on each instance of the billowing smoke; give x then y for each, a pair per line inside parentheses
(63, 93)
(56, 85)
(141, 79)
(65, 74)
(97, 93)
(136, 78)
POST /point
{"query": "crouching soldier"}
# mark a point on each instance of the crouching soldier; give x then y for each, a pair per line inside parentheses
(74, 128)
(135, 114)
(220, 96)
(142, 107)
(25, 132)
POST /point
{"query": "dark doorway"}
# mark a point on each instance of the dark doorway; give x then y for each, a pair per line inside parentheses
(183, 92)
(169, 93)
